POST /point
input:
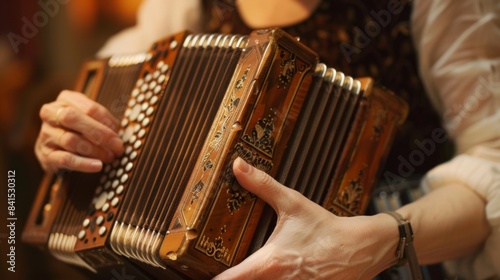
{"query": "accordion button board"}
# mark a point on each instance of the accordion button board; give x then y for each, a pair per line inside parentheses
(170, 207)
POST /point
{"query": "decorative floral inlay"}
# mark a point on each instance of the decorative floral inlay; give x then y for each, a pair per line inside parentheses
(289, 69)
(262, 136)
(196, 191)
(350, 196)
(227, 113)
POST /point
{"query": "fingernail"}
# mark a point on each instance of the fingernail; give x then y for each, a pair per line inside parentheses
(243, 166)
(96, 165)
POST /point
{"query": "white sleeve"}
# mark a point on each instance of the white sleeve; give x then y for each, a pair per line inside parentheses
(155, 19)
(459, 59)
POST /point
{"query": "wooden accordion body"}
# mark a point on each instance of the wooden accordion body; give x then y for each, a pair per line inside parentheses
(170, 206)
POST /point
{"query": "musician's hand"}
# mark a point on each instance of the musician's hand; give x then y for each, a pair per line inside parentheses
(310, 242)
(77, 134)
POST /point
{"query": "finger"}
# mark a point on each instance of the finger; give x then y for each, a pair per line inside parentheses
(264, 186)
(59, 159)
(91, 108)
(75, 143)
(75, 120)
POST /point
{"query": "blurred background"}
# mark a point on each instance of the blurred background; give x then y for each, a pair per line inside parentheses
(41, 50)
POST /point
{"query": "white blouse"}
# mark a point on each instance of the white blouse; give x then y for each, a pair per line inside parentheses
(458, 43)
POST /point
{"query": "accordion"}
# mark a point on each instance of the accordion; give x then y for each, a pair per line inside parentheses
(170, 206)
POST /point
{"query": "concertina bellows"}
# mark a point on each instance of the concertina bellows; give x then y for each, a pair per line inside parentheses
(170, 206)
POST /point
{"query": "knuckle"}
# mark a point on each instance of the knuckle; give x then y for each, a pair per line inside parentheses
(92, 109)
(97, 136)
(44, 112)
(84, 148)
(264, 179)
(68, 160)
(43, 135)
(68, 140)
(68, 115)
(64, 94)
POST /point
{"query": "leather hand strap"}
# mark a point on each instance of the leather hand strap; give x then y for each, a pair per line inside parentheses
(406, 252)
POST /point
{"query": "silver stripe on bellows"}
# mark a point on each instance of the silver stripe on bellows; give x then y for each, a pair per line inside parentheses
(62, 247)
(137, 243)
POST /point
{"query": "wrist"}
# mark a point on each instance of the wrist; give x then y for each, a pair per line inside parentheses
(377, 240)
(387, 239)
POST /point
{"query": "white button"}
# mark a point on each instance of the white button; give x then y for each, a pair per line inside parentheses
(124, 122)
(102, 231)
(124, 178)
(111, 194)
(81, 234)
(115, 201)
(86, 223)
(140, 117)
(128, 149)
(132, 139)
(119, 190)
(140, 98)
(99, 220)
(145, 122)
(141, 133)
(137, 144)
(158, 87)
(105, 207)
(133, 155)
(127, 112)
(129, 166)
(135, 92)
(135, 112)
(100, 200)
(153, 100)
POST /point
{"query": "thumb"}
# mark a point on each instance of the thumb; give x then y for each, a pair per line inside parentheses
(263, 185)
